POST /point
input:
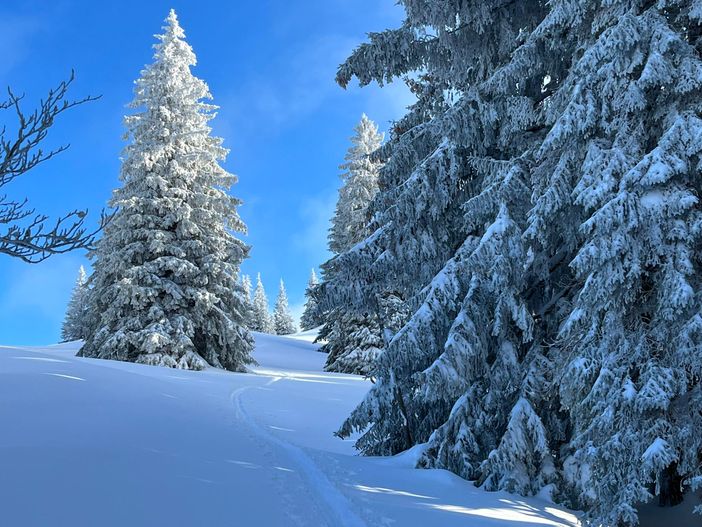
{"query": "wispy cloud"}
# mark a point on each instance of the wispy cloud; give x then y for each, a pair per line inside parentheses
(16, 32)
(297, 83)
(386, 104)
(43, 288)
(296, 87)
(296, 310)
(316, 213)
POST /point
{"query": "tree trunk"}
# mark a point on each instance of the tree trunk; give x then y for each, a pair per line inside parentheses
(671, 492)
(403, 410)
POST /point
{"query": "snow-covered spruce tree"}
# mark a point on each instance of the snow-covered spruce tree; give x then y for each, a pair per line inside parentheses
(262, 320)
(353, 339)
(393, 311)
(75, 324)
(282, 318)
(555, 330)
(248, 290)
(618, 172)
(312, 316)
(354, 345)
(246, 286)
(467, 373)
(359, 185)
(165, 281)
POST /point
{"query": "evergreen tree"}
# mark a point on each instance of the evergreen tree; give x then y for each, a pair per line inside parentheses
(282, 318)
(246, 285)
(359, 185)
(353, 345)
(353, 339)
(394, 313)
(75, 324)
(262, 320)
(312, 316)
(618, 173)
(538, 208)
(248, 289)
(165, 285)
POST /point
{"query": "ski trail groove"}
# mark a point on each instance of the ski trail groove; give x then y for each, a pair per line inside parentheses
(336, 503)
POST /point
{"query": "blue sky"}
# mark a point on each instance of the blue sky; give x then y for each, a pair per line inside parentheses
(270, 66)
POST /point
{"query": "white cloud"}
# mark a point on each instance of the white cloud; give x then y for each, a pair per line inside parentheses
(316, 213)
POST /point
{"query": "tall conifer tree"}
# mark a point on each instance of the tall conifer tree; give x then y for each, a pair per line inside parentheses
(165, 287)
(353, 339)
(248, 291)
(539, 209)
(359, 185)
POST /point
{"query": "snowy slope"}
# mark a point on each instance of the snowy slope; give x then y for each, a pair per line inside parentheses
(87, 442)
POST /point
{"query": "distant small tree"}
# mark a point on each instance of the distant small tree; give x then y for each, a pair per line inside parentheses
(284, 323)
(75, 324)
(24, 234)
(359, 185)
(248, 288)
(312, 315)
(261, 321)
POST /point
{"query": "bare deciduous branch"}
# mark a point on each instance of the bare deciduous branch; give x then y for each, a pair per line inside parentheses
(39, 238)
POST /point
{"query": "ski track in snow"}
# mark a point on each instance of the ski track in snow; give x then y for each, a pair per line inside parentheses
(337, 504)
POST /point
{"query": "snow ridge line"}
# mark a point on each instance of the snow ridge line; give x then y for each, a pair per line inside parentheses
(339, 506)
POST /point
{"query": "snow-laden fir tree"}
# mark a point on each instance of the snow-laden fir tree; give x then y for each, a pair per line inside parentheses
(282, 318)
(312, 316)
(261, 320)
(619, 171)
(353, 344)
(165, 281)
(75, 323)
(538, 210)
(359, 185)
(248, 291)
(246, 286)
(353, 340)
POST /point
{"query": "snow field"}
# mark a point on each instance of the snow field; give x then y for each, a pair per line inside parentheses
(89, 442)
